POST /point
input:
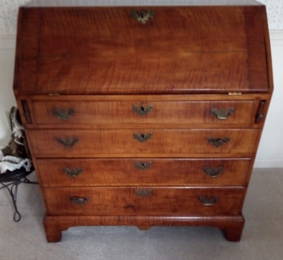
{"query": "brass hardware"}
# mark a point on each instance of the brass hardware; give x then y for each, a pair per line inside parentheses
(222, 113)
(143, 165)
(73, 172)
(63, 114)
(208, 201)
(26, 111)
(213, 172)
(142, 137)
(235, 93)
(144, 192)
(142, 16)
(78, 200)
(260, 112)
(217, 142)
(142, 110)
(67, 141)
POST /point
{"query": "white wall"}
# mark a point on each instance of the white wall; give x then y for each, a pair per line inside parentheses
(270, 152)
(7, 53)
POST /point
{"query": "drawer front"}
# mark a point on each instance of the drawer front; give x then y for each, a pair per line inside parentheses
(189, 113)
(141, 171)
(144, 143)
(144, 201)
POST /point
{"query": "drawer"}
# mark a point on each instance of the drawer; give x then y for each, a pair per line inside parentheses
(141, 171)
(150, 201)
(135, 112)
(144, 143)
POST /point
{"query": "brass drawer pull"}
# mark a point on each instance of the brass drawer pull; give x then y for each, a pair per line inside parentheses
(222, 113)
(217, 142)
(142, 110)
(62, 113)
(73, 172)
(67, 141)
(213, 172)
(142, 137)
(78, 200)
(142, 16)
(208, 200)
(144, 192)
(143, 165)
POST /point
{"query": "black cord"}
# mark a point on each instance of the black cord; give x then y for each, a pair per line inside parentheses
(14, 193)
(12, 188)
(10, 181)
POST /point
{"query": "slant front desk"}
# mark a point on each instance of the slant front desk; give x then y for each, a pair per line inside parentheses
(143, 116)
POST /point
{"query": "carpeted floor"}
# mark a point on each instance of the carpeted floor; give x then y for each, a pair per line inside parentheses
(262, 238)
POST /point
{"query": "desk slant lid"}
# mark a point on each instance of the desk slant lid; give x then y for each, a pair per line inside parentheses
(142, 50)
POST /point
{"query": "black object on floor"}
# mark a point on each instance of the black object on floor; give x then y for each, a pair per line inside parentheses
(10, 181)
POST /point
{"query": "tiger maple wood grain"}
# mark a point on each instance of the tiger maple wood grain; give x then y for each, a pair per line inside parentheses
(104, 51)
(80, 70)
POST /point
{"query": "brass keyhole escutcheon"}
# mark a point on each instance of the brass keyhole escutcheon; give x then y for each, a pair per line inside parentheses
(142, 16)
(142, 110)
(143, 165)
(142, 137)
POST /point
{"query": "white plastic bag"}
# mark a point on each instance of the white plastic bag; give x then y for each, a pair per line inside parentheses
(11, 163)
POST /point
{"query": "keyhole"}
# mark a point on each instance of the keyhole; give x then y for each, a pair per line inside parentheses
(142, 108)
(142, 135)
